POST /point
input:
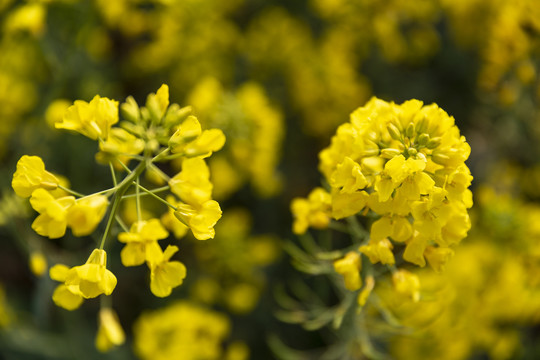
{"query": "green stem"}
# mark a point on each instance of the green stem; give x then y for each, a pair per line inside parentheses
(113, 173)
(121, 189)
(149, 192)
(153, 191)
(138, 200)
(69, 191)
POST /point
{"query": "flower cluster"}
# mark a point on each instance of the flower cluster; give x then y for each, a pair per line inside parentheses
(151, 135)
(181, 328)
(405, 163)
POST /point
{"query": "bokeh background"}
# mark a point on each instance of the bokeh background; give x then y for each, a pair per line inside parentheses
(277, 77)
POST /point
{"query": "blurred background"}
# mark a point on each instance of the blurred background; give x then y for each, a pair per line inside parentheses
(278, 78)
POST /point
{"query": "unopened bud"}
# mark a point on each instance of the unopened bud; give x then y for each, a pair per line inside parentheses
(433, 143)
(394, 132)
(410, 130)
(389, 153)
(440, 158)
(423, 139)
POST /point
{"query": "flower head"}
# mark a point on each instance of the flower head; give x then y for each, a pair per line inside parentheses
(93, 278)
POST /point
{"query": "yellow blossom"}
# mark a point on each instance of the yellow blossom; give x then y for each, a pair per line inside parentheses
(93, 119)
(200, 219)
(192, 185)
(140, 236)
(437, 257)
(407, 284)
(52, 221)
(349, 267)
(191, 141)
(31, 175)
(93, 278)
(158, 103)
(379, 251)
(110, 332)
(38, 263)
(69, 298)
(314, 211)
(164, 274)
(85, 215)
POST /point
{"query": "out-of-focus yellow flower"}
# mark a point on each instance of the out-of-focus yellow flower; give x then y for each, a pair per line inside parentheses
(180, 328)
(138, 240)
(5, 312)
(110, 332)
(237, 350)
(28, 17)
(242, 298)
(93, 119)
(52, 221)
(31, 175)
(379, 251)
(407, 284)
(85, 215)
(314, 211)
(55, 111)
(200, 219)
(38, 263)
(349, 267)
(164, 274)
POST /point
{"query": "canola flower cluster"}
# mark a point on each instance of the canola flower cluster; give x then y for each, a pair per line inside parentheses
(157, 133)
(405, 165)
(188, 329)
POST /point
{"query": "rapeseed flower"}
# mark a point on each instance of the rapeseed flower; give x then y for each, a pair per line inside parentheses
(164, 274)
(31, 175)
(52, 221)
(86, 213)
(138, 240)
(93, 119)
(110, 332)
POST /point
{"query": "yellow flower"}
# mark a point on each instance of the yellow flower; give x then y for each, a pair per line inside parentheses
(52, 221)
(110, 332)
(397, 227)
(31, 175)
(200, 219)
(437, 257)
(192, 185)
(93, 119)
(407, 284)
(158, 103)
(348, 177)
(191, 141)
(38, 263)
(85, 215)
(140, 236)
(349, 267)
(314, 211)
(164, 274)
(69, 298)
(93, 278)
(379, 250)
